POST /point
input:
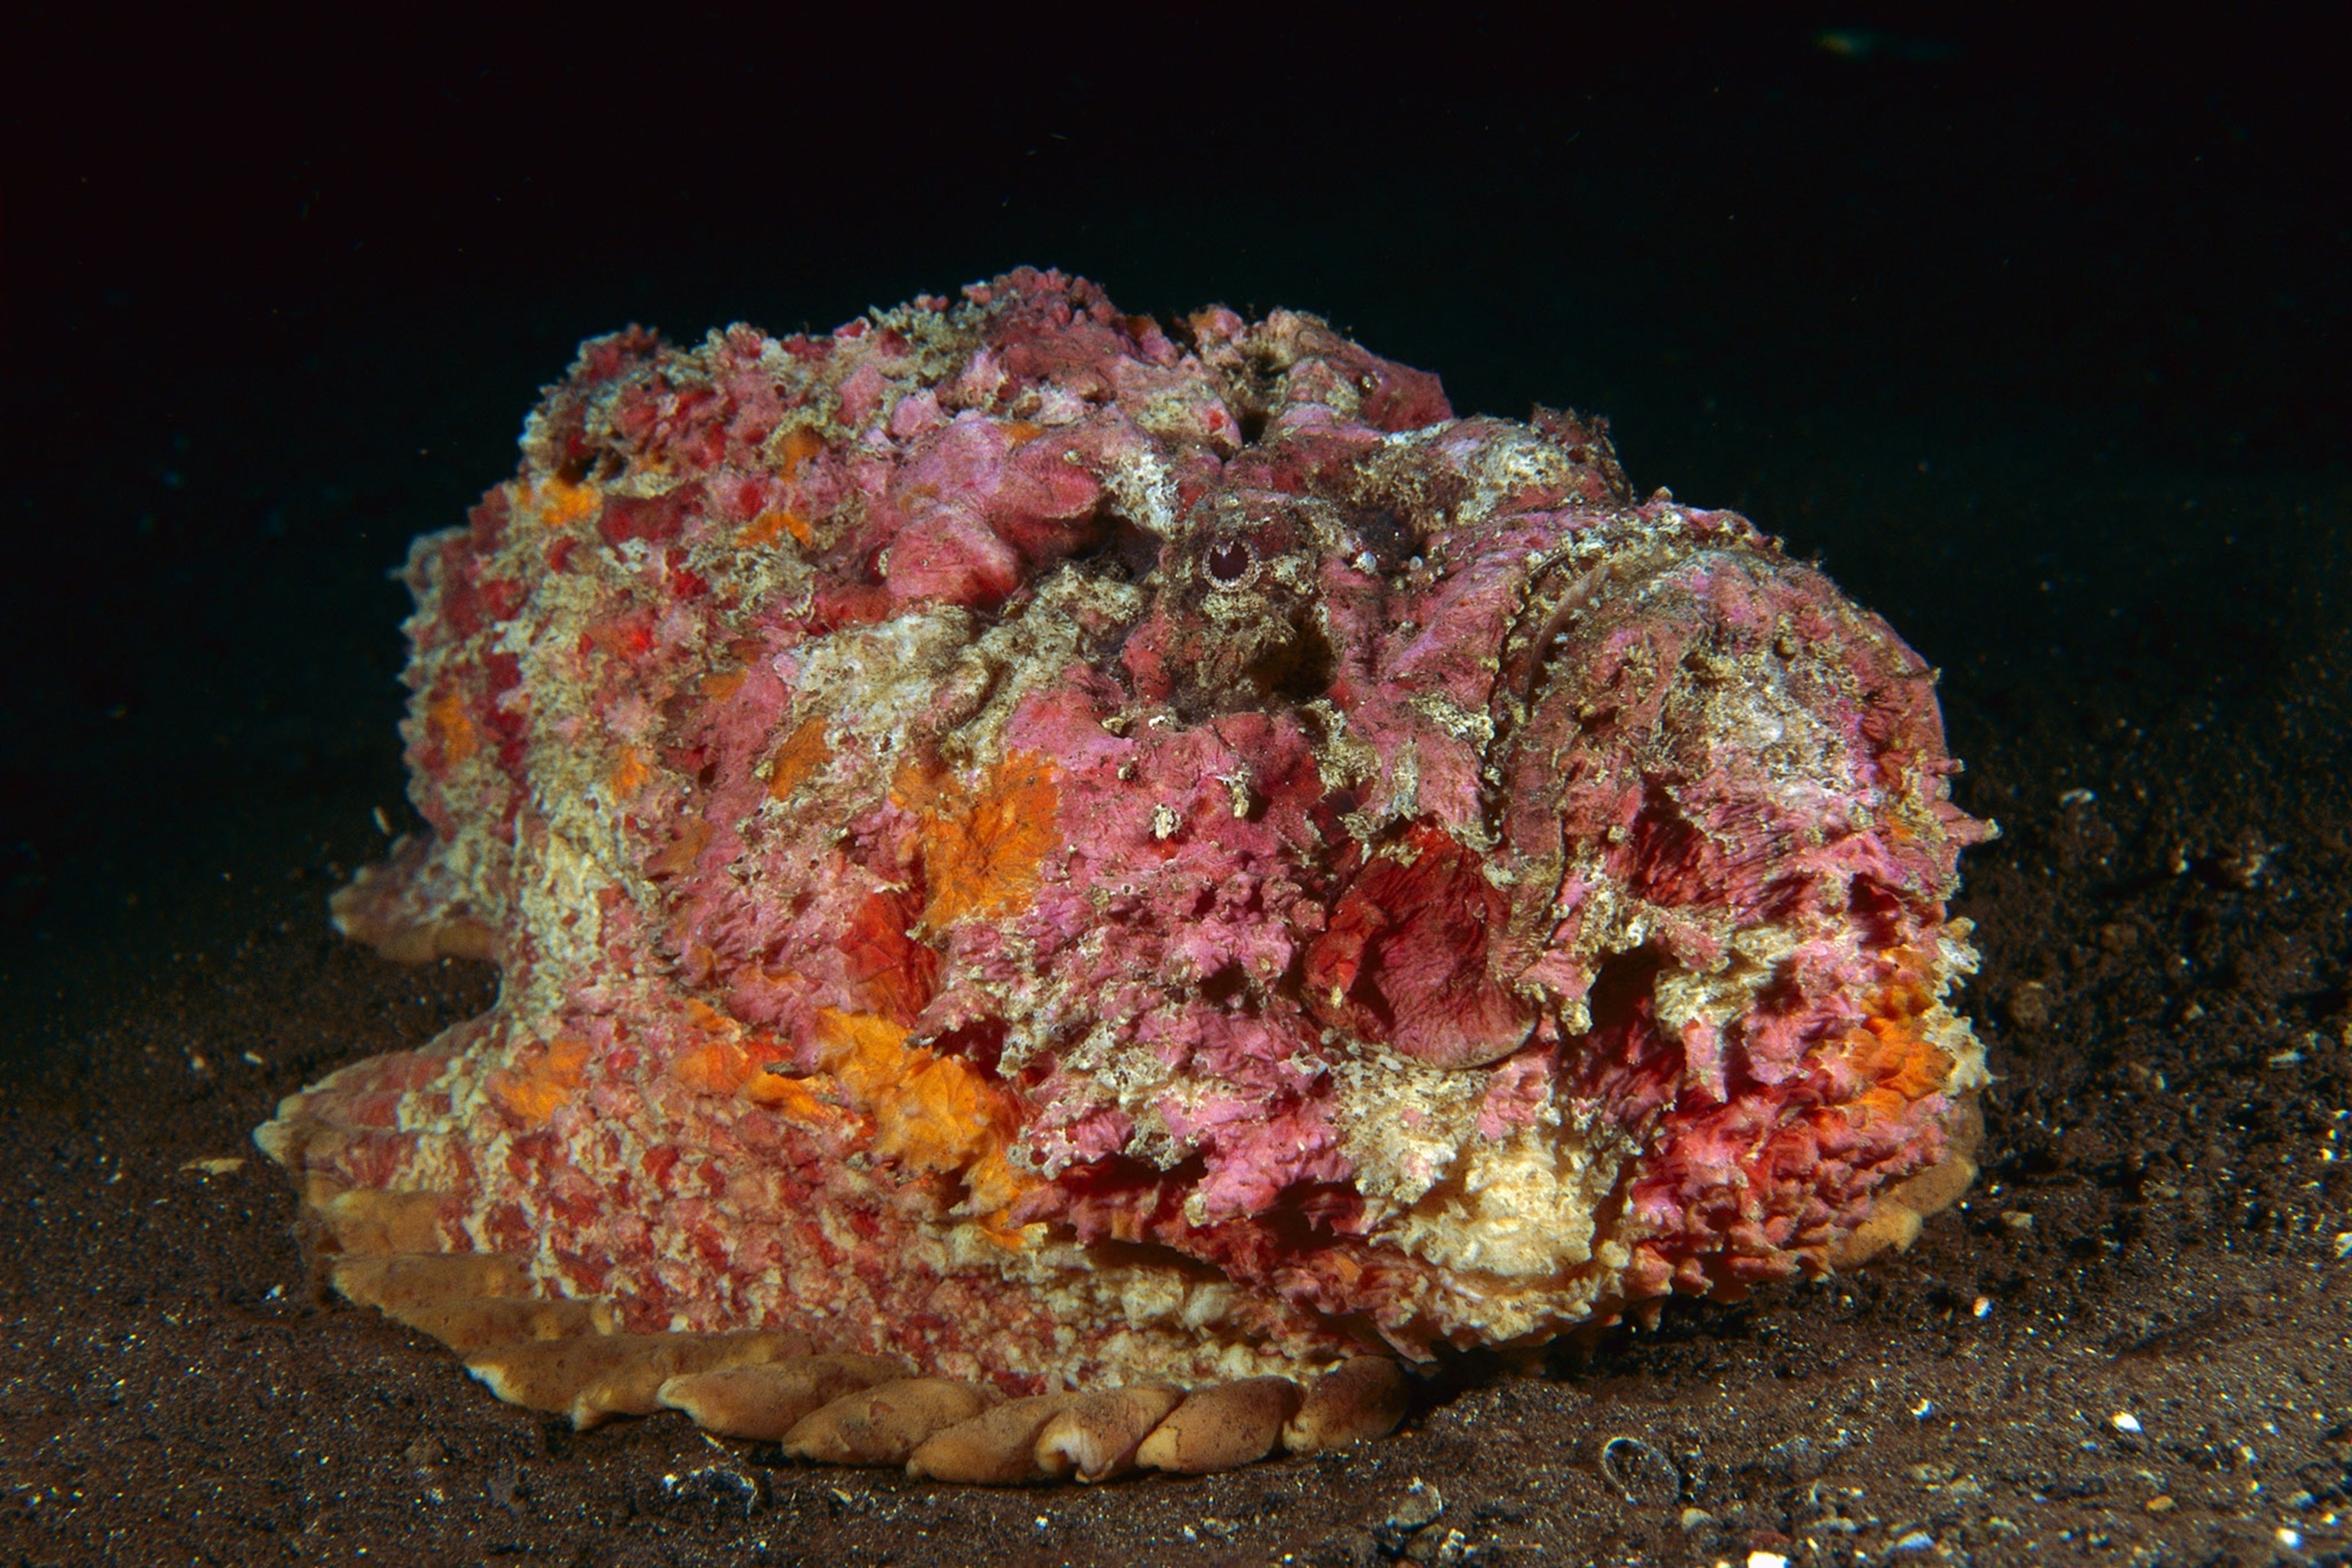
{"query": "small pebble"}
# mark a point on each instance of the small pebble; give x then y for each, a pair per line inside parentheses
(1420, 1505)
(720, 1486)
(1643, 1473)
(2160, 1504)
(1417, 1510)
(2124, 1421)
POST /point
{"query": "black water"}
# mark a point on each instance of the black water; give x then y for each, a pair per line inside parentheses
(2037, 330)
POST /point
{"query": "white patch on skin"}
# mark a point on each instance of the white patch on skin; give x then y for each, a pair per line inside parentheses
(1475, 730)
(435, 1164)
(556, 887)
(1956, 958)
(875, 681)
(1181, 1322)
(1341, 760)
(887, 684)
(1522, 1208)
(1683, 997)
(1515, 1229)
(1145, 491)
(1402, 1123)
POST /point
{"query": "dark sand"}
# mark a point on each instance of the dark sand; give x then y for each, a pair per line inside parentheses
(2044, 357)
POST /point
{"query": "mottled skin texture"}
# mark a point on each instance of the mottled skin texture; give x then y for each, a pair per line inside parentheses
(1081, 850)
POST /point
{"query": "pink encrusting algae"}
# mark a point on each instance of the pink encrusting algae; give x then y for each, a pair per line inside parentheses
(1080, 851)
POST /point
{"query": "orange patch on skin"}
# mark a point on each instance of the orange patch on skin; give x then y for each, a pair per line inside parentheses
(1902, 1066)
(714, 1067)
(995, 1187)
(629, 775)
(677, 856)
(724, 1061)
(769, 526)
(711, 1021)
(559, 504)
(796, 1100)
(799, 447)
(981, 848)
(1891, 1051)
(937, 1117)
(542, 1079)
(864, 1052)
(446, 714)
(931, 1113)
(797, 759)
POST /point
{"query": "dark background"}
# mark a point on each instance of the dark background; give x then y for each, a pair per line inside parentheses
(2032, 322)
(1986, 305)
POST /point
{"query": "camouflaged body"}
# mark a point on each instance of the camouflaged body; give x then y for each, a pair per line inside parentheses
(1071, 849)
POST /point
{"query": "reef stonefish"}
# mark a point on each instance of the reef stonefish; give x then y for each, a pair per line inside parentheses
(1044, 860)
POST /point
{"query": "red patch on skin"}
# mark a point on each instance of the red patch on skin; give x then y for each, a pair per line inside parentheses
(1404, 959)
(629, 635)
(840, 606)
(502, 672)
(895, 974)
(657, 519)
(601, 359)
(371, 1159)
(487, 524)
(472, 605)
(529, 1152)
(586, 1275)
(1403, 398)
(509, 1229)
(503, 596)
(1303, 1249)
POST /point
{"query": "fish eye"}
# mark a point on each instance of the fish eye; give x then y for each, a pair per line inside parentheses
(1230, 560)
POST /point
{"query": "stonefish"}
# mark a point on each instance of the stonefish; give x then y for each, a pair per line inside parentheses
(1044, 860)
